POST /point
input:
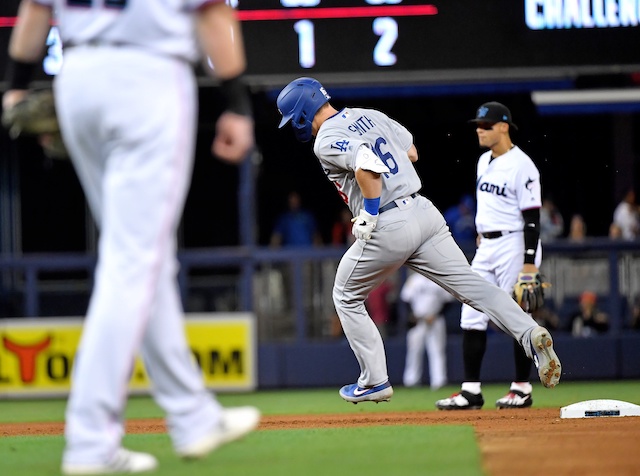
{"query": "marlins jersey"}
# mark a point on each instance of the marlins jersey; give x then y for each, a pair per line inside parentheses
(505, 186)
(338, 141)
(161, 26)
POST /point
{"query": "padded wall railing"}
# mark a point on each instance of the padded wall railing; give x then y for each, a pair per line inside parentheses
(290, 289)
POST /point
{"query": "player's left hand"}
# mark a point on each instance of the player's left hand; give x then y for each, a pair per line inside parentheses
(13, 97)
(234, 137)
(33, 113)
(363, 225)
(528, 291)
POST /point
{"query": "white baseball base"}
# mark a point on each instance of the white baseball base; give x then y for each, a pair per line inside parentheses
(600, 408)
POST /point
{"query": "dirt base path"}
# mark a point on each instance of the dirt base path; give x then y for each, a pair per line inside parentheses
(522, 442)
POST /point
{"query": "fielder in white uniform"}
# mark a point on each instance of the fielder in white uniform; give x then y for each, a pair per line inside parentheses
(369, 158)
(127, 104)
(508, 197)
(427, 301)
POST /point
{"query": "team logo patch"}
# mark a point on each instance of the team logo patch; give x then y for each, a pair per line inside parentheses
(341, 145)
(482, 111)
(528, 184)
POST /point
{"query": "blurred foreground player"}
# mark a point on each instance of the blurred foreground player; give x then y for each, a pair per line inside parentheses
(127, 103)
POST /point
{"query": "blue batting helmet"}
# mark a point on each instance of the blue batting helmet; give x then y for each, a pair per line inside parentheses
(298, 102)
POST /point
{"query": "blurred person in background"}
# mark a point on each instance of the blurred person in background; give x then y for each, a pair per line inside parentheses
(589, 320)
(427, 301)
(615, 232)
(461, 219)
(551, 221)
(378, 305)
(635, 313)
(546, 317)
(296, 226)
(341, 230)
(577, 229)
(627, 216)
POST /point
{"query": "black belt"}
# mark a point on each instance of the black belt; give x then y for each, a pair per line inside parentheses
(393, 204)
(495, 234)
(114, 44)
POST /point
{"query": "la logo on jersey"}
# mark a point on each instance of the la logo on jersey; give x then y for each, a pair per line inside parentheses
(341, 145)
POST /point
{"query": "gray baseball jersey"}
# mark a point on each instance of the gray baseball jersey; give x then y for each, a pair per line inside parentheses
(338, 141)
(413, 232)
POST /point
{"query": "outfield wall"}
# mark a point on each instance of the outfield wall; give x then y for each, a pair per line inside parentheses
(333, 364)
(37, 357)
(287, 293)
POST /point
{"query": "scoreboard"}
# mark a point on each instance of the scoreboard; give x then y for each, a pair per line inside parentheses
(368, 41)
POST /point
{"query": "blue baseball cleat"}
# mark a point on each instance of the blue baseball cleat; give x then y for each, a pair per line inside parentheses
(356, 394)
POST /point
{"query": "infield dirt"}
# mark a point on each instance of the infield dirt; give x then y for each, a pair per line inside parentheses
(512, 442)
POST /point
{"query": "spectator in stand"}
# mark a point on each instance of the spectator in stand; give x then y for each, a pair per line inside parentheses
(461, 219)
(379, 307)
(546, 317)
(551, 221)
(577, 229)
(635, 313)
(589, 320)
(296, 226)
(341, 231)
(615, 232)
(627, 216)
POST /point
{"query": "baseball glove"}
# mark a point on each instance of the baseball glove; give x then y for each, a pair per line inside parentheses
(36, 116)
(529, 291)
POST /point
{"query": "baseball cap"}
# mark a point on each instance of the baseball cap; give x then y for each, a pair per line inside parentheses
(494, 112)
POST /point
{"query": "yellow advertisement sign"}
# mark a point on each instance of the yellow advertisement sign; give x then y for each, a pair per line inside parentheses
(37, 355)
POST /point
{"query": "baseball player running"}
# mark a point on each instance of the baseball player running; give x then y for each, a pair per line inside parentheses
(369, 158)
(427, 300)
(508, 225)
(126, 99)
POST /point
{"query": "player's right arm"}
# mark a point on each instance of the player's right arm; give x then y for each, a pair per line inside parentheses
(26, 48)
(221, 39)
(370, 183)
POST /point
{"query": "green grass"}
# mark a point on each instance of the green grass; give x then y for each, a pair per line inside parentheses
(409, 450)
(318, 401)
(373, 450)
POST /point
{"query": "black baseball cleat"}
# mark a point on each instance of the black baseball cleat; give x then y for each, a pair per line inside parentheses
(515, 399)
(461, 401)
